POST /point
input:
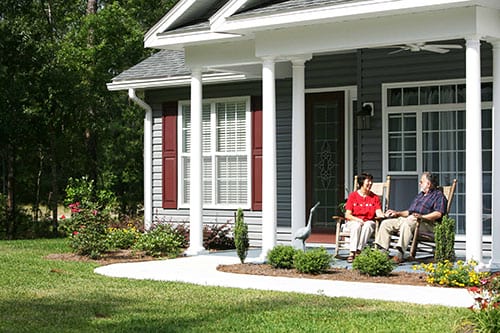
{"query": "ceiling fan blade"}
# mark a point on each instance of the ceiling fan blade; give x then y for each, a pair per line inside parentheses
(446, 46)
(433, 48)
(397, 51)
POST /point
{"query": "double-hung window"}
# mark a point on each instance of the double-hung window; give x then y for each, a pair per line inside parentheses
(226, 153)
(425, 130)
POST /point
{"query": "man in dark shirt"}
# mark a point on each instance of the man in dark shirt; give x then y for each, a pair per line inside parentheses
(429, 204)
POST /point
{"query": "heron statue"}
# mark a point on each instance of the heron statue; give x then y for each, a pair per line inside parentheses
(304, 232)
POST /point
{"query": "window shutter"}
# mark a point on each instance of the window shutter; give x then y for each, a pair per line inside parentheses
(169, 155)
(256, 152)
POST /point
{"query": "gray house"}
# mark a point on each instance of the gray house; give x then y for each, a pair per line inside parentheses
(272, 106)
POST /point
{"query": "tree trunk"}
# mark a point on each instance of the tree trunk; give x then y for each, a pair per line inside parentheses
(54, 195)
(11, 203)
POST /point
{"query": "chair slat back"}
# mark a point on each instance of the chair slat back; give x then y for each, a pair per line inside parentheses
(449, 193)
(382, 189)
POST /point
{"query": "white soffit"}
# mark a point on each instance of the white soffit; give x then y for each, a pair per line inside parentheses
(335, 13)
(456, 23)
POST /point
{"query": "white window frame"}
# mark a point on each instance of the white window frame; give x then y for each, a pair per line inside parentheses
(418, 110)
(214, 154)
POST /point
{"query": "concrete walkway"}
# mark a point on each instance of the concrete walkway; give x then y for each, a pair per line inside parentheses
(201, 270)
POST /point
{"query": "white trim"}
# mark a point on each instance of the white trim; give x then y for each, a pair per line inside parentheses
(180, 175)
(172, 15)
(175, 81)
(335, 13)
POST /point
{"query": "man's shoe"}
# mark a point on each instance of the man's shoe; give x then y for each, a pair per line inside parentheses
(398, 259)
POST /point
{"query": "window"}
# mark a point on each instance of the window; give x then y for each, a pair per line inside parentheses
(226, 153)
(425, 130)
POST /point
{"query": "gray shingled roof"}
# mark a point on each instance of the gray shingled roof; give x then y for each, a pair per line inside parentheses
(165, 63)
(290, 5)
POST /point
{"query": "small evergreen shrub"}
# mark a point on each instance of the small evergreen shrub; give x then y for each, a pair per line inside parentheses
(444, 235)
(373, 263)
(282, 256)
(160, 241)
(314, 261)
(241, 241)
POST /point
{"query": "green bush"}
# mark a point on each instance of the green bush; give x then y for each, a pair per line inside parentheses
(314, 261)
(161, 241)
(241, 241)
(446, 273)
(217, 237)
(444, 234)
(122, 238)
(485, 315)
(373, 262)
(282, 256)
(88, 231)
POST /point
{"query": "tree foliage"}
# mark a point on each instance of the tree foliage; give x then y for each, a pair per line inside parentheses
(57, 118)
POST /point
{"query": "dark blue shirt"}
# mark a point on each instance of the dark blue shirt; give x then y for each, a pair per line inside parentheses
(434, 200)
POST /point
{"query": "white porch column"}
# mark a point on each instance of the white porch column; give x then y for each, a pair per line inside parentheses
(473, 164)
(494, 263)
(269, 196)
(298, 203)
(196, 176)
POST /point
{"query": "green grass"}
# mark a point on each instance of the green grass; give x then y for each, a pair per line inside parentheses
(40, 295)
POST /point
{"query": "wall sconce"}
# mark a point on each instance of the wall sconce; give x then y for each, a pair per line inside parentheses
(363, 116)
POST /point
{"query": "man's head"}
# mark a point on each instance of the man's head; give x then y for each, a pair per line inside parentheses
(427, 181)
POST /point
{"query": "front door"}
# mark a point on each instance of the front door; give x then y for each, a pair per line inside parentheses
(325, 156)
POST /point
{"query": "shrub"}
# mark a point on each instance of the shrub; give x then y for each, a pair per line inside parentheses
(314, 261)
(216, 237)
(282, 256)
(87, 231)
(445, 273)
(373, 262)
(122, 238)
(485, 315)
(241, 241)
(444, 234)
(161, 241)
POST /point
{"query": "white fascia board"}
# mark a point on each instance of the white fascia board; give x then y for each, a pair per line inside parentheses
(176, 41)
(373, 32)
(336, 13)
(178, 81)
(221, 54)
(226, 11)
(172, 15)
(488, 21)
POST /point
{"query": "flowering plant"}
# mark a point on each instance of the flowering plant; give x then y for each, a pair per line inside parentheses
(485, 316)
(445, 273)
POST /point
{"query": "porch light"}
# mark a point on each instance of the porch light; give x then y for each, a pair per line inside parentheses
(363, 116)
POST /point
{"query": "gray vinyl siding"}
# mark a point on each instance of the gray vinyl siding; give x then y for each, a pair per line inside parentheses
(211, 216)
(322, 71)
(376, 67)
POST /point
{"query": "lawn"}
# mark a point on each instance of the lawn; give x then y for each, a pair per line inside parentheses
(40, 295)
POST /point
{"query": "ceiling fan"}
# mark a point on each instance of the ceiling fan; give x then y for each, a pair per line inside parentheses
(417, 47)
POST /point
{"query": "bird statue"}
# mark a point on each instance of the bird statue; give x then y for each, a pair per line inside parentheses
(304, 232)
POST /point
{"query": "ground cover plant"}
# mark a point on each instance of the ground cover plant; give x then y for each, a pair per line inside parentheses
(42, 295)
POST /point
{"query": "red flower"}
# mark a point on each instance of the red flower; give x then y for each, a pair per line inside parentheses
(62, 217)
(75, 233)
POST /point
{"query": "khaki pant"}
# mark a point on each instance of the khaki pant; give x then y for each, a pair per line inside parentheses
(359, 235)
(405, 226)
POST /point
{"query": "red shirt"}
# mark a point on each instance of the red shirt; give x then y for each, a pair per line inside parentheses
(363, 207)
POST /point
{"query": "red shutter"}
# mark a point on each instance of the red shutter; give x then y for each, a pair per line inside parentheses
(256, 152)
(169, 155)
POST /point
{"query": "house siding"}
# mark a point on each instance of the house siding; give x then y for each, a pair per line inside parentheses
(375, 68)
(368, 69)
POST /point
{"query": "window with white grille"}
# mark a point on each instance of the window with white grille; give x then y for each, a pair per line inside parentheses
(226, 153)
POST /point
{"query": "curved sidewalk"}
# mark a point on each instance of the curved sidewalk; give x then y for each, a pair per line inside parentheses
(202, 270)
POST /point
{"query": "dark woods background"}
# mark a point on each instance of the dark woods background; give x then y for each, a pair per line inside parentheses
(57, 119)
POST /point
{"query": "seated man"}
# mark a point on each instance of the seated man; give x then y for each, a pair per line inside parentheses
(429, 204)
